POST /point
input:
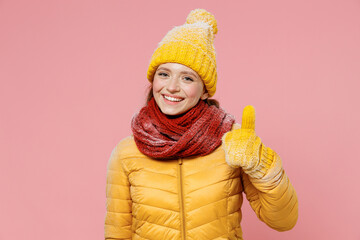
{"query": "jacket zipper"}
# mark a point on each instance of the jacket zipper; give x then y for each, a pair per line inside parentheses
(181, 197)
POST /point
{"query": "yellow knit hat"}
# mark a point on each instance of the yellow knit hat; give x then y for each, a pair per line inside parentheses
(192, 45)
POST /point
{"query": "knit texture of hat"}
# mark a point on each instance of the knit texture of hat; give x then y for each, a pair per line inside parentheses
(192, 45)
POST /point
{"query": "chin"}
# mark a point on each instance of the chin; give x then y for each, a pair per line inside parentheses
(171, 112)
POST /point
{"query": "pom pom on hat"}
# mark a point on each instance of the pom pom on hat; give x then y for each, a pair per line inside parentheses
(201, 15)
(192, 45)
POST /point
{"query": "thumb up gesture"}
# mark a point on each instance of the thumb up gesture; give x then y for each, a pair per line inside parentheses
(243, 147)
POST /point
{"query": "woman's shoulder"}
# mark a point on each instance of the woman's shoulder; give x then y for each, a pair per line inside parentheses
(126, 147)
(126, 142)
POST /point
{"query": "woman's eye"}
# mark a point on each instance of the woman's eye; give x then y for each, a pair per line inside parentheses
(189, 79)
(162, 74)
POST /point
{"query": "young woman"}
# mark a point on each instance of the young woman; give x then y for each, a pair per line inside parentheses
(182, 173)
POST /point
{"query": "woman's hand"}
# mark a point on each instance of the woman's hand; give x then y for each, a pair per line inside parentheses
(243, 148)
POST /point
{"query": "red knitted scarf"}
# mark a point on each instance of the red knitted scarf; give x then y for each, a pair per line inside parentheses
(197, 132)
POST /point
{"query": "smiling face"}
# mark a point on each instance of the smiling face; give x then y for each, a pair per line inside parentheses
(177, 88)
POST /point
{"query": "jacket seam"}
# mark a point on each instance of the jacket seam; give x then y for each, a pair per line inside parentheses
(213, 202)
(117, 226)
(208, 223)
(156, 224)
(119, 198)
(141, 236)
(154, 188)
(205, 169)
(236, 211)
(154, 206)
(211, 184)
(119, 212)
(145, 170)
(117, 184)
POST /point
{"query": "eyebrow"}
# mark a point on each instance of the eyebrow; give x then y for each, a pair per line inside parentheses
(186, 72)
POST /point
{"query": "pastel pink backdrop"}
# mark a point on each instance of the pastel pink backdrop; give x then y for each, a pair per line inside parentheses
(73, 73)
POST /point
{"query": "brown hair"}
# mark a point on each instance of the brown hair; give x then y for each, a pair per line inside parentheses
(208, 101)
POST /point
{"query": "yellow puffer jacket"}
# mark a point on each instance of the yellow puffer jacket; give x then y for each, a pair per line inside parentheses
(191, 198)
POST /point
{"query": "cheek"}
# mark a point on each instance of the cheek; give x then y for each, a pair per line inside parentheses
(157, 85)
(194, 91)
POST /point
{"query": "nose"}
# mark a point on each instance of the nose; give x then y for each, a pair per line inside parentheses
(173, 85)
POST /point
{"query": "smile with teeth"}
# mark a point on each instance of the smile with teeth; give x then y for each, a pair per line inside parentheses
(172, 99)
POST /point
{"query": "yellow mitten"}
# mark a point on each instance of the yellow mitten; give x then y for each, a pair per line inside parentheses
(243, 148)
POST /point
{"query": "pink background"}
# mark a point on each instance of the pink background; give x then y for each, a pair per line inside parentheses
(73, 73)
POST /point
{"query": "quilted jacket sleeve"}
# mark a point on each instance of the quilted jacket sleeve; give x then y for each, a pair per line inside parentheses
(272, 197)
(118, 201)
